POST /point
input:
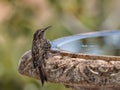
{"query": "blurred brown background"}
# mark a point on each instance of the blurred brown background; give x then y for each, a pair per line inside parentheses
(20, 18)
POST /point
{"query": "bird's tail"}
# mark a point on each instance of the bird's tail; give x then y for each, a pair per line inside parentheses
(42, 74)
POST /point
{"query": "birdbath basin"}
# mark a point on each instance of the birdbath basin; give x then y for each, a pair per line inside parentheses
(89, 61)
(97, 43)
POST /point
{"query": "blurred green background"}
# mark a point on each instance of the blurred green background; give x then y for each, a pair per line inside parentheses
(19, 19)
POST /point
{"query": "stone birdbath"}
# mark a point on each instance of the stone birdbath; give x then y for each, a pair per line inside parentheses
(89, 61)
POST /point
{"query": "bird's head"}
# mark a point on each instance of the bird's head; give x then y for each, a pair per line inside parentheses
(40, 33)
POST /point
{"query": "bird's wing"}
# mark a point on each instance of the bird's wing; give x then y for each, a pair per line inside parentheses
(35, 54)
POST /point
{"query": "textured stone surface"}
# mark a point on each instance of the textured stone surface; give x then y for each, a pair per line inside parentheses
(77, 71)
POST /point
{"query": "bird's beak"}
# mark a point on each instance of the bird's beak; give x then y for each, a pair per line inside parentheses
(47, 28)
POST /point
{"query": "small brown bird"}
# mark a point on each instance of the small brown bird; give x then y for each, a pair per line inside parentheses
(40, 50)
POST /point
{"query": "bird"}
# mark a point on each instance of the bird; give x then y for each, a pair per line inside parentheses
(40, 52)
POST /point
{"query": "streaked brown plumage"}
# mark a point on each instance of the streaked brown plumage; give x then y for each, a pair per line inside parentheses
(40, 50)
